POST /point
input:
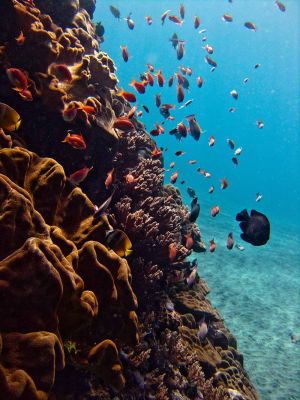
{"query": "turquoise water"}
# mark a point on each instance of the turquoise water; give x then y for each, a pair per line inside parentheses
(257, 290)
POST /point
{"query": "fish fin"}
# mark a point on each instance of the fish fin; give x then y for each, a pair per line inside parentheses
(243, 226)
(242, 216)
(128, 252)
(244, 237)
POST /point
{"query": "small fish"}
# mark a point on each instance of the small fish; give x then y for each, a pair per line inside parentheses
(149, 20)
(150, 67)
(180, 49)
(130, 22)
(109, 179)
(227, 18)
(179, 153)
(212, 246)
(224, 183)
(195, 210)
(187, 103)
(115, 12)
(192, 162)
(181, 10)
(20, 39)
(230, 242)
(10, 120)
(172, 252)
(127, 96)
(79, 176)
(250, 25)
(124, 53)
(211, 141)
(235, 160)
(196, 22)
(170, 82)
(234, 94)
(204, 39)
(209, 49)
(189, 241)
(280, 5)
(124, 124)
(231, 143)
(239, 247)
(175, 19)
(203, 329)
(181, 128)
(174, 40)
(172, 164)
(195, 128)
(238, 151)
(204, 173)
(180, 93)
(119, 242)
(156, 152)
(164, 15)
(210, 61)
(139, 113)
(182, 182)
(180, 78)
(75, 140)
(191, 192)
(131, 112)
(192, 277)
(202, 31)
(199, 81)
(18, 79)
(245, 80)
(189, 71)
(260, 124)
(214, 211)
(232, 109)
(145, 108)
(255, 228)
(129, 178)
(258, 197)
(293, 338)
(174, 177)
(160, 78)
(211, 189)
(257, 66)
(158, 100)
(138, 86)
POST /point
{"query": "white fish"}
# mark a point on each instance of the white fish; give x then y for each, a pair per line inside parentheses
(258, 197)
(202, 31)
(241, 248)
(245, 80)
(186, 104)
(234, 94)
(238, 151)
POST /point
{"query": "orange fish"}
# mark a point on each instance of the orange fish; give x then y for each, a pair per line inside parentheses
(127, 96)
(20, 39)
(211, 141)
(170, 82)
(174, 177)
(26, 95)
(129, 178)
(164, 15)
(159, 129)
(196, 22)
(139, 86)
(224, 183)
(189, 71)
(75, 140)
(180, 78)
(79, 176)
(88, 109)
(156, 152)
(176, 19)
(150, 78)
(160, 78)
(199, 81)
(209, 49)
(214, 211)
(180, 93)
(212, 246)
(157, 100)
(124, 52)
(150, 67)
(189, 241)
(172, 252)
(227, 18)
(109, 178)
(124, 124)
(149, 20)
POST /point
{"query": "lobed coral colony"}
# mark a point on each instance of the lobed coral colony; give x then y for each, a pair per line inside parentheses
(81, 188)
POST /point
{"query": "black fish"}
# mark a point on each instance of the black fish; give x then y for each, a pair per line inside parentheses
(256, 228)
(191, 192)
(195, 210)
(115, 11)
(145, 108)
(99, 29)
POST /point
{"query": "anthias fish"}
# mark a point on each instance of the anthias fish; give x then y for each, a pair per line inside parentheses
(256, 227)
(75, 140)
(79, 176)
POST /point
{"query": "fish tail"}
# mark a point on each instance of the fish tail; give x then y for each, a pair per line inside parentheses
(189, 117)
(242, 216)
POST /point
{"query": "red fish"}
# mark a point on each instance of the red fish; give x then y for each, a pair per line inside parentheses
(150, 67)
(75, 140)
(17, 78)
(127, 96)
(189, 71)
(176, 19)
(124, 124)
(109, 178)
(180, 49)
(149, 20)
(224, 183)
(196, 22)
(150, 78)
(199, 81)
(214, 211)
(156, 152)
(79, 176)
(181, 10)
(170, 83)
(174, 177)
(195, 128)
(139, 86)
(164, 15)
(88, 109)
(26, 95)
(160, 78)
(210, 61)
(180, 93)
(180, 78)
(124, 52)
(189, 241)
(230, 241)
(212, 246)
(250, 25)
(157, 100)
(172, 252)
(181, 128)
(211, 141)
(227, 18)
(20, 39)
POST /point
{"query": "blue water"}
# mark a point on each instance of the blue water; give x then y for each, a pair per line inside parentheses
(257, 290)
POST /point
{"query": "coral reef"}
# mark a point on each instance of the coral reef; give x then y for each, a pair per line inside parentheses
(69, 318)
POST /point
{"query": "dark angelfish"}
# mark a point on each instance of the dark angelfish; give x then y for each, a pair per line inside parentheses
(256, 227)
(195, 210)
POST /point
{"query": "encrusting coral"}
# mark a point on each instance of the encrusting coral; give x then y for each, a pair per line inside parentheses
(69, 322)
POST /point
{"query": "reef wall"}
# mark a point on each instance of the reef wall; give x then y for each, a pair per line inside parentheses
(76, 319)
